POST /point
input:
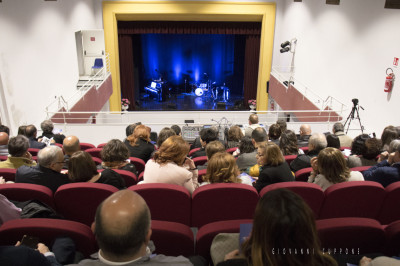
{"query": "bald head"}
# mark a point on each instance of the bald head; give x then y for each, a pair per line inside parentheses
(253, 119)
(305, 129)
(71, 145)
(122, 226)
(3, 138)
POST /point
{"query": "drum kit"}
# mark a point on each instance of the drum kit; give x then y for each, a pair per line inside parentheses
(212, 90)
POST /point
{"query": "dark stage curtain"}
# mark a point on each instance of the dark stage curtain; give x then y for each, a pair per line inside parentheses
(126, 29)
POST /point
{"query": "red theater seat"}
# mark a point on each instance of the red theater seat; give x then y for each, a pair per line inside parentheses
(193, 151)
(8, 174)
(25, 192)
(231, 150)
(392, 232)
(290, 158)
(303, 174)
(201, 160)
(33, 151)
(389, 209)
(139, 164)
(95, 152)
(84, 146)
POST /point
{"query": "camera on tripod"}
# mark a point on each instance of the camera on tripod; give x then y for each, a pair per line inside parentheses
(355, 101)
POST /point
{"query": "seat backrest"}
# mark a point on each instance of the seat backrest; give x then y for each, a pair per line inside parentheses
(139, 164)
(392, 245)
(353, 199)
(363, 235)
(201, 173)
(221, 202)
(311, 193)
(231, 150)
(97, 161)
(129, 177)
(193, 151)
(201, 160)
(167, 202)
(25, 192)
(101, 145)
(305, 149)
(172, 239)
(33, 151)
(84, 146)
(3, 157)
(390, 204)
(79, 201)
(290, 158)
(47, 230)
(8, 174)
(303, 174)
(95, 152)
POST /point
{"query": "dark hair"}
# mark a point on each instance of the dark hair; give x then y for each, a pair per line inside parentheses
(388, 134)
(22, 130)
(129, 129)
(333, 141)
(358, 145)
(165, 133)
(177, 129)
(246, 145)
(81, 167)
(288, 143)
(372, 148)
(30, 131)
(114, 151)
(274, 132)
(208, 134)
(338, 127)
(278, 216)
(18, 146)
(129, 240)
(5, 129)
(282, 125)
(259, 135)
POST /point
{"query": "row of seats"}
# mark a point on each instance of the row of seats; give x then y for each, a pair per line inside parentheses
(218, 202)
(337, 235)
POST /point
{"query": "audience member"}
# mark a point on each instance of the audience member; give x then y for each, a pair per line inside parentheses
(47, 172)
(5, 129)
(305, 134)
(259, 136)
(8, 211)
(139, 144)
(333, 141)
(3, 144)
(19, 255)
(330, 168)
(338, 130)
(212, 148)
(115, 155)
(71, 145)
(170, 165)
(177, 130)
(274, 168)
(222, 168)
(370, 151)
(385, 154)
(379, 261)
(47, 127)
(235, 134)
(82, 168)
(22, 130)
(282, 124)
(206, 136)
(288, 143)
(276, 238)
(388, 134)
(31, 133)
(131, 128)
(358, 144)
(274, 133)
(165, 133)
(387, 171)
(317, 142)
(253, 124)
(19, 155)
(122, 230)
(247, 157)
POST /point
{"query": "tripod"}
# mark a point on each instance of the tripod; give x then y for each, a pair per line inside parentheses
(353, 112)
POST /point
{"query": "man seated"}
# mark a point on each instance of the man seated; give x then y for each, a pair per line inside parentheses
(253, 124)
(316, 143)
(47, 172)
(19, 155)
(3, 144)
(305, 134)
(338, 130)
(70, 145)
(30, 133)
(206, 136)
(122, 230)
(259, 136)
(47, 127)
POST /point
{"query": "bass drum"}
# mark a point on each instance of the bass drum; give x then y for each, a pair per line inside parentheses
(199, 92)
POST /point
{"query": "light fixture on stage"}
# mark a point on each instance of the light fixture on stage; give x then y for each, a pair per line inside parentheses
(286, 47)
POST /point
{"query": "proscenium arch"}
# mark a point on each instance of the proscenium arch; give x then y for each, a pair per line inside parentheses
(190, 11)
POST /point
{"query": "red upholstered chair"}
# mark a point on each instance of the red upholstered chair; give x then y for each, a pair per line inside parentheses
(101, 145)
(97, 161)
(47, 230)
(362, 235)
(360, 168)
(139, 164)
(303, 174)
(392, 232)
(79, 201)
(311, 193)
(58, 144)
(3, 157)
(389, 209)
(140, 177)
(129, 177)
(25, 192)
(345, 148)
(201, 160)
(290, 158)
(231, 150)
(222, 202)
(172, 239)
(305, 149)
(95, 152)
(193, 151)
(33, 151)
(8, 174)
(167, 202)
(353, 199)
(201, 173)
(206, 234)
(84, 146)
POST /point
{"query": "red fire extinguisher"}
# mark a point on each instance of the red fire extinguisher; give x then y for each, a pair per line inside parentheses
(389, 81)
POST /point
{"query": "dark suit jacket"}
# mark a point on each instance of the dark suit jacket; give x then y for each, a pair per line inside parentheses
(303, 161)
(273, 174)
(41, 176)
(142, 151)
(35, 144)
(19, 256)
(201, 152)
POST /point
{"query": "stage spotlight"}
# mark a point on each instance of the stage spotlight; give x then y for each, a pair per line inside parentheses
(285, 47)
(284, 44)
(284, 50)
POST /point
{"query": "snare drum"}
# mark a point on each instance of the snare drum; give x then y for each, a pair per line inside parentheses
(199, 92)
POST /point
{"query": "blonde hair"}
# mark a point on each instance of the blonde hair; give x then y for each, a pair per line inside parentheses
(222, 168)
(272, 153)
(213, 147)
(332, 164)
(173, 149)
(140, 132)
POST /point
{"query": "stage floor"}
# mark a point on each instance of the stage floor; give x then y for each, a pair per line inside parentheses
(189, 102)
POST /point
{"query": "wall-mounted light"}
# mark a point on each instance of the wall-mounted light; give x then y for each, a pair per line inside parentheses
(288, 46)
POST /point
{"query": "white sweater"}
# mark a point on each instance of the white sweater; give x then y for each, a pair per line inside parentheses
(324, 183)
